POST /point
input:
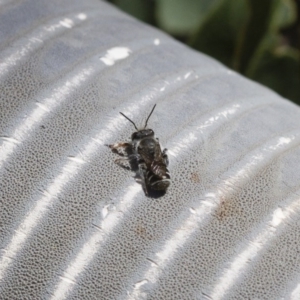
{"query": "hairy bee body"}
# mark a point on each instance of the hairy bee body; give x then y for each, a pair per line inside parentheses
(152, 162)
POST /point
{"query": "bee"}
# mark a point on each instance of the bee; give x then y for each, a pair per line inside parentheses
(144, 150)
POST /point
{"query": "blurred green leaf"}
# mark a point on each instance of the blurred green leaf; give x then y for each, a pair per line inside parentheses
(256, 29)
(181, 17)
(279, 69)
(283, 14)
(274, 63)
(141, 9)
(221, 30)
(266, 17)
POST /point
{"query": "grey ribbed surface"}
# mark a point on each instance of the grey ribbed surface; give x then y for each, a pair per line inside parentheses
(74, 225)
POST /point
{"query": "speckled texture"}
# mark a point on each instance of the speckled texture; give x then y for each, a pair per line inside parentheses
(74, 225)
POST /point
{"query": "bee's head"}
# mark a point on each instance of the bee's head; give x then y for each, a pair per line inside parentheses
(138, 135)
(141, 133)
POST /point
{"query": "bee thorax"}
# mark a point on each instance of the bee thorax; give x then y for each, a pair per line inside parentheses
(146, 143)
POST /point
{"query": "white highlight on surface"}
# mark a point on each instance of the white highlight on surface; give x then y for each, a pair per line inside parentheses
(256, 243)
(295, 293)
(244, 169)
(82, 16)
(191, 137)
(77, 160)
(68, 23)
(43, 106)
(104, 211)
(139, 284)
(90, 248)
(10, 140)
(156, 42)
(187, 75)
(24, 128)
(184, 145)
(67, 280)
(28, 43)
(282, 141)
(278, 217)
(192, 210)
(114, 54)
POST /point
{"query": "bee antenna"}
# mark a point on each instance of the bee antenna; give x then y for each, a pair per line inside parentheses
(129, 120)
(149, 115)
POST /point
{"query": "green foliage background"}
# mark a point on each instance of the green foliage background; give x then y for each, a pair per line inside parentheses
(258, 38)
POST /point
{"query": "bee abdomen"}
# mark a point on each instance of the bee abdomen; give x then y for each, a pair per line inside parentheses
(159, 183)
(159, 169)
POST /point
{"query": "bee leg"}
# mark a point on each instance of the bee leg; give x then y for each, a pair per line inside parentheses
(132, 159)
(117, 145)
(123, 162)
(121, 148)
(135, 157)
(165, 156)
(143, 175)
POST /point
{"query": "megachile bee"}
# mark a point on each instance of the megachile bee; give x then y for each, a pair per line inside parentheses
(144, 151)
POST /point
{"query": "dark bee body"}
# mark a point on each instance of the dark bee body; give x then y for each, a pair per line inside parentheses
(152, 162)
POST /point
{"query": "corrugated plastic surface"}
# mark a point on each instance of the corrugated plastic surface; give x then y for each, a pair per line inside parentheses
(74, 225)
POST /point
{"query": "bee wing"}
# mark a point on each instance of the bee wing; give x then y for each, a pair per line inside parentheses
(147, 155)
(123, 149)
(158, 166)
(152, 155)
(157, 152)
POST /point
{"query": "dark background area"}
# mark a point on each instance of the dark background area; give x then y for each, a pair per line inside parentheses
(257, 38)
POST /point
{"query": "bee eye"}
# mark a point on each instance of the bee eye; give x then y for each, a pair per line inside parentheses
(134, 136)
